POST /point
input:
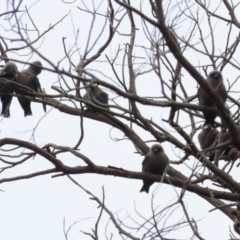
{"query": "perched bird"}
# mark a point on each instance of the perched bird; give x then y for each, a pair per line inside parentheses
(208, 137)
(225, 137)
(28, 83)
(95, 94)
(156, 161)
(7, 74)
(215, 81)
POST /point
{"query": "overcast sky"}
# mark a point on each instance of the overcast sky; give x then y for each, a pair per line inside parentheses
(34, 209)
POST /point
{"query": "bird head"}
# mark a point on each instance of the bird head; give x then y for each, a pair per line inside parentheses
(10, 69)
(156, 148)
(36, 67)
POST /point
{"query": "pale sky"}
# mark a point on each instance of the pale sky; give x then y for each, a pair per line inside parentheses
(34, 209)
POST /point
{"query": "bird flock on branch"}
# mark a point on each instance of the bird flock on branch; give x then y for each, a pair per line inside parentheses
(26, 83)
(23, 83)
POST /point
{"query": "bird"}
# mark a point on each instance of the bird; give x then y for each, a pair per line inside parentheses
(95, 94)
(215, 81)
(208, 137)
(7, 74)
(156, 161)
(225, 137)
(28, 81)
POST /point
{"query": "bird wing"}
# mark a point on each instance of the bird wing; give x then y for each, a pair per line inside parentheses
(31, 81)
(223, 93)
(103, 97)
(145, 160)
(204, 99)
(39, 89)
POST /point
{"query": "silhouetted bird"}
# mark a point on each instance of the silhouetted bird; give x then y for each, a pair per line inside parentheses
(215, 81)
(95, 94)
(156, 161)
(7, 74)
(208, 137)
(29, 84)
(223, 138)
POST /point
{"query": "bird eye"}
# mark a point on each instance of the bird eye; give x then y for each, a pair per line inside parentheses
(91, 88)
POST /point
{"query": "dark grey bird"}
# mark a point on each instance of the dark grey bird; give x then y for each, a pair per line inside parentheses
(8, 75)
(156, 161)
(225, 137)
(208, 137)
(95, 94)
(215, 81)
(28, 83)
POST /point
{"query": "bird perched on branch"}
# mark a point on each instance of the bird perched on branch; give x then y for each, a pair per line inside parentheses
(8, 76)
(28, 83)
(95, 95)
(215, 80)
(156, 161)
(208, 137)
(225, 137)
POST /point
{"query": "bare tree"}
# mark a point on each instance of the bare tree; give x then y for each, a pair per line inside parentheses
(169, 44)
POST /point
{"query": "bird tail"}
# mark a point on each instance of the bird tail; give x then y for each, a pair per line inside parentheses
(212, 156)
(28, 112)
(144, 188)
(6, 114)
(5, 108)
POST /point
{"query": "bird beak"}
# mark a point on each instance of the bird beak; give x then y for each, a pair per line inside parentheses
(156, 150)
(90, 88)
(216, 75)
